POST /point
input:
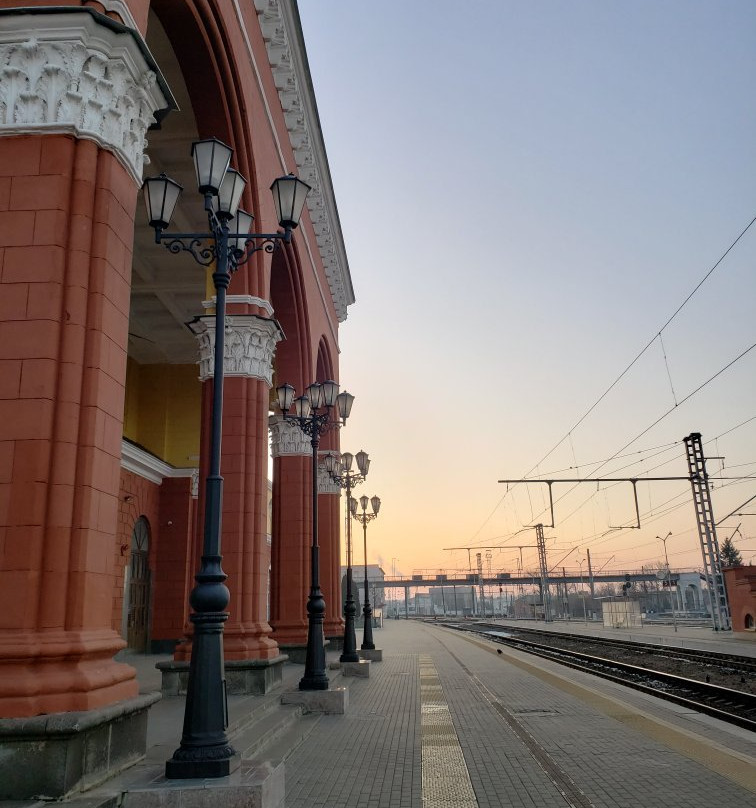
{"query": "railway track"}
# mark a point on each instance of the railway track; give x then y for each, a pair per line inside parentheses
(729, 664)
(735, 706)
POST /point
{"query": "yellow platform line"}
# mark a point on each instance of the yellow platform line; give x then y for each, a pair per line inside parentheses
(446, 781)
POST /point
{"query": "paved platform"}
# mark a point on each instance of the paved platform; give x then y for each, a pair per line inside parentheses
(447, 721)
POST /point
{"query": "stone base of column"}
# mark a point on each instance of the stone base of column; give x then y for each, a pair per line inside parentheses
(359, 669)
(335, 642)
(259, 785)
(332, 701)
(373, 654)
(50, 756)
(297, 653)
(246, 677)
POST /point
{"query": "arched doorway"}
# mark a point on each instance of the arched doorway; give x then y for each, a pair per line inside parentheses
(136, 602)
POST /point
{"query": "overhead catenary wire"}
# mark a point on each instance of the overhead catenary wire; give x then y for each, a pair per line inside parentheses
(627, 369)
(652, 425)
(666, 365)
(646, 346)
(661, 511)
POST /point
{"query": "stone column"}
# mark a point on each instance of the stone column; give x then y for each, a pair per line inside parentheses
(292, 530)
(248, 368)
(77, 93)
(77, 97)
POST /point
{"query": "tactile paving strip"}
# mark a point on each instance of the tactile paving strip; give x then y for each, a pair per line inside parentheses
(446, 781)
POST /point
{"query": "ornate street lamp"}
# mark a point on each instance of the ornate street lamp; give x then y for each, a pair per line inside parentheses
(313, 413)
(364, 518)
(205, 750)
(340, 471)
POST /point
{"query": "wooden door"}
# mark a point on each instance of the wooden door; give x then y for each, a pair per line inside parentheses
(137, 621)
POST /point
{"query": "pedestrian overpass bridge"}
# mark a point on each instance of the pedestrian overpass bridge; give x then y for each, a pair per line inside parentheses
(508, 579)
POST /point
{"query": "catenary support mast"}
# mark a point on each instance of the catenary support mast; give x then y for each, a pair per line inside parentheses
(707, 532)
(541, 543)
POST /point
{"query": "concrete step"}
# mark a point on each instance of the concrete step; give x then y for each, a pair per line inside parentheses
(269, 726)
(261, 729)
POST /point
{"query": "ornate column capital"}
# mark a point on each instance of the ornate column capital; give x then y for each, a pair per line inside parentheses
(287, 439)
(250, 345)
(75, 71)
(326, 485)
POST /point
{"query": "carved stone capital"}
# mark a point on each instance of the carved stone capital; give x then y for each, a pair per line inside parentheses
(287, 439)
(249, 346)
(326, 485)
(76, 71)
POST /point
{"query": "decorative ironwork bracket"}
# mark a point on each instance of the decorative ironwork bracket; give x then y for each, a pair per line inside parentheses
(203, 247)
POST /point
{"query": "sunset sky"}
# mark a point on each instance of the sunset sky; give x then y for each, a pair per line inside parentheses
(528, 193)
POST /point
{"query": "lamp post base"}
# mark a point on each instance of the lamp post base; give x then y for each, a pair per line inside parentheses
(360, 669)
(314, 683)
(204, 767)
(367, 628)
(330, 701)
(349, 652)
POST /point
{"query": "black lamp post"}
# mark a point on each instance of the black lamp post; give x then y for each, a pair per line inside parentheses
(341, 473)
(205, 750)
(313, 413)
(367, 611)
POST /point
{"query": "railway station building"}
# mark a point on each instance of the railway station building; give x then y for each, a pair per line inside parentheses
(105, 393)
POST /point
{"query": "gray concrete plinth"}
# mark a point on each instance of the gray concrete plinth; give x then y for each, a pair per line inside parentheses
(332, 701)
(373, 654)
(50, 756)
(296, 653)
(243, 677)
(251, 786)
(361, 668)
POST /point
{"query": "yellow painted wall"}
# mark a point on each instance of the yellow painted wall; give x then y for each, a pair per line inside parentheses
(162, 411)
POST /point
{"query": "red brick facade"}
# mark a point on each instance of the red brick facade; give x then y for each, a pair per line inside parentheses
(70, 263)
(741, 594)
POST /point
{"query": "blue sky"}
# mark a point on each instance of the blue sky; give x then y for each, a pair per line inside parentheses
(528, 191)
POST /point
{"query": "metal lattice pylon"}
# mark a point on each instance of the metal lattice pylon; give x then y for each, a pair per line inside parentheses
(545, 595)
(707, 532)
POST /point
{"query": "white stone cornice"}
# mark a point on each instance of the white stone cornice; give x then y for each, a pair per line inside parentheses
(281, 29)
(287, 439)
(75, 71)
(249, 300)
(120, 8)
(146, 465)
(249, 346)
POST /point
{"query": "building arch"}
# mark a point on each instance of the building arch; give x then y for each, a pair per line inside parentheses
(288, 298)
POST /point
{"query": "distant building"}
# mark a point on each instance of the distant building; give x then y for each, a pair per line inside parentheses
(741, 594)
